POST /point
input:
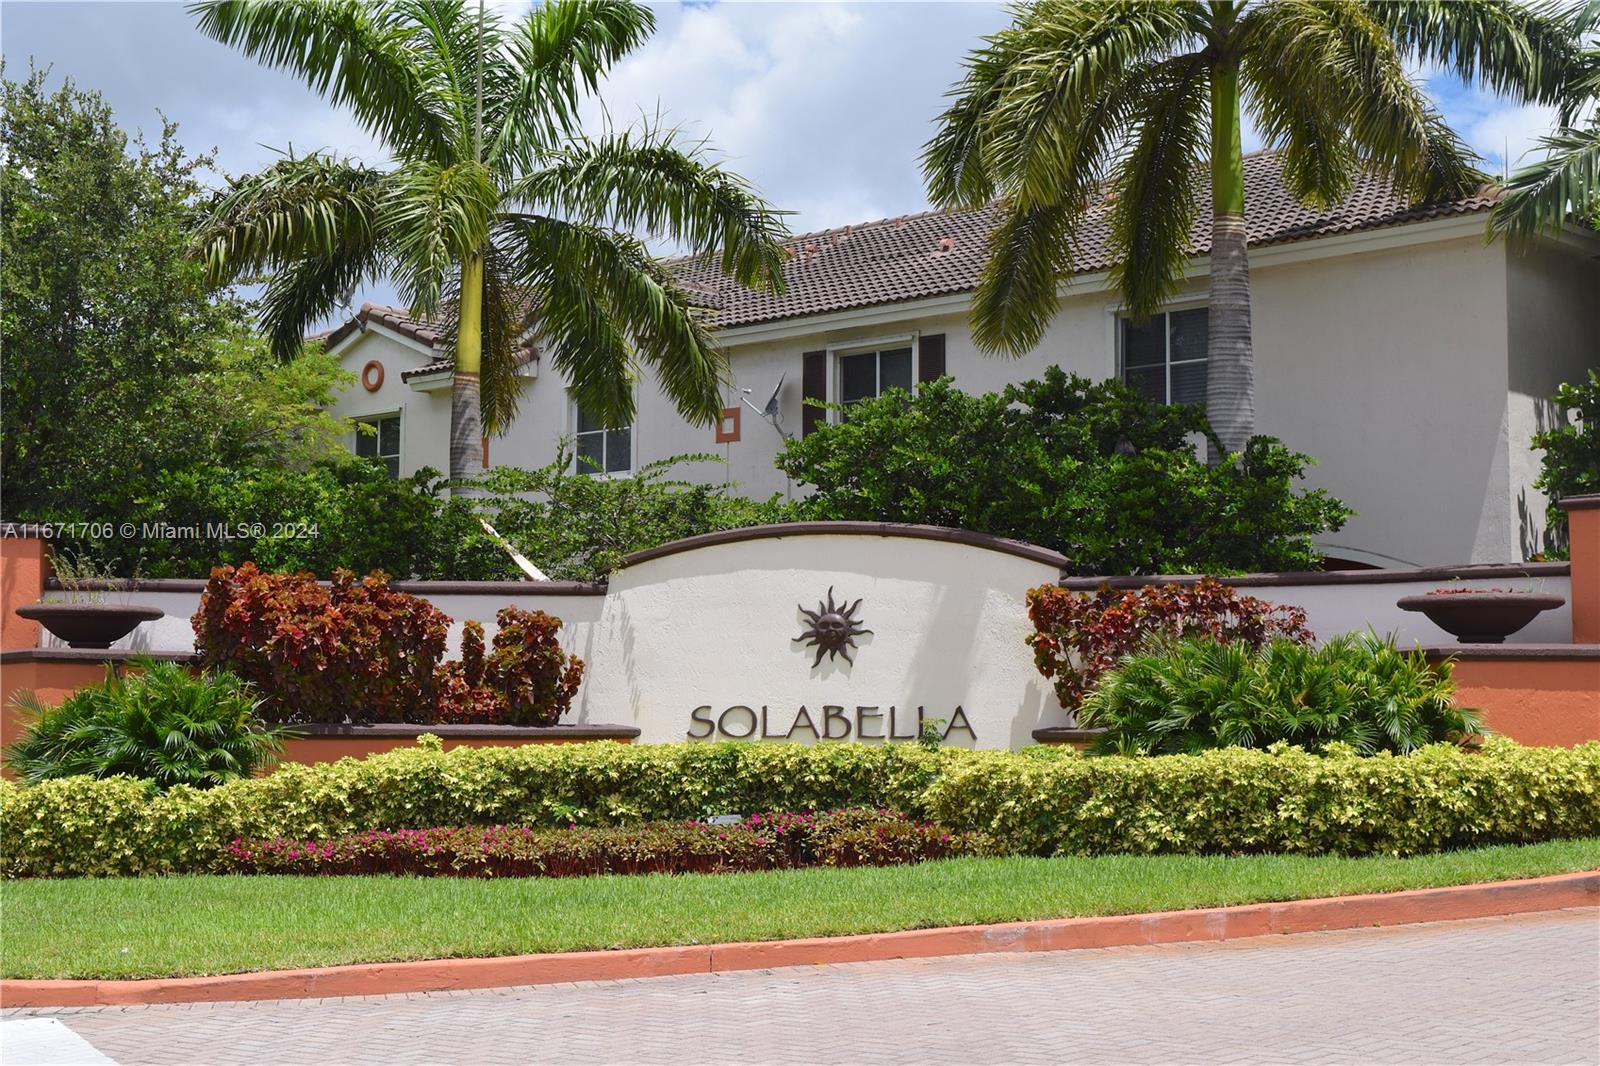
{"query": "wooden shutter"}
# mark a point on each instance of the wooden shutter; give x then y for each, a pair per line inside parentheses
(813, 386)
(930, 357)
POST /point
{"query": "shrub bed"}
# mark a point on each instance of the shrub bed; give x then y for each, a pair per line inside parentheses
(360, 652)
(1080, 635)
(771, 841)
(1040, 801)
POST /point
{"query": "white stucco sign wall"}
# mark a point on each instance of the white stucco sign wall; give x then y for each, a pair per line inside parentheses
(698, 640)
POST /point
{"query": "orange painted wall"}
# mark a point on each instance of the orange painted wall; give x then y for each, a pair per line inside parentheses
(1534, 701)
(53, 682)
(1583, 525)
(24, 564)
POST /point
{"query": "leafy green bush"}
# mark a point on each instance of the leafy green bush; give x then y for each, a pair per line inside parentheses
(353, 515)
(1358, 689)
(162, 723)
(329, 515)
(1092, 470)
(1571, 455)
(122, 361)
(578, 528)
(1038, 801)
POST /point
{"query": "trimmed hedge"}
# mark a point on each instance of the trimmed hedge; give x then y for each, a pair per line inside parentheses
(1039, 801)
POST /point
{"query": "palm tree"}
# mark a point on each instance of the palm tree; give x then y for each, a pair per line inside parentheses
(1126, 100)
(1566, 177)
(498, 213)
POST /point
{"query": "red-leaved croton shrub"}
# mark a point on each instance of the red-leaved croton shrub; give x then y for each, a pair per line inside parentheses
(354, 651)
(529, 670)
(359, 652)
(1079, 635)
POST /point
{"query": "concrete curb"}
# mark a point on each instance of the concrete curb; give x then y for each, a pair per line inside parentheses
(1164, 927)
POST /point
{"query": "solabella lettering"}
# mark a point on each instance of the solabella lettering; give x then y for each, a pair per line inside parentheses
(830, 722)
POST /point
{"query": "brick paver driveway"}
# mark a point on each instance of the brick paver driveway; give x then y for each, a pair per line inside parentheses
(1524, 989)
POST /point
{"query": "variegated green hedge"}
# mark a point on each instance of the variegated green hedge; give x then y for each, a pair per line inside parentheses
(1039, 801)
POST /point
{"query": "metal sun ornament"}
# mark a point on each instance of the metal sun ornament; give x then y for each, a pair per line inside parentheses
(833, 628)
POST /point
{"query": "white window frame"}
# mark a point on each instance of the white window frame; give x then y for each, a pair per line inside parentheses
(837, 352)
(1120, 314)
(373, 419)
(633, 444)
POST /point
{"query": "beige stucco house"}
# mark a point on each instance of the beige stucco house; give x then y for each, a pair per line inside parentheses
(1410, 356)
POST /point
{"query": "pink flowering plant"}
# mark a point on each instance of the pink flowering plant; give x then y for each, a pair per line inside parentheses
(766, 841)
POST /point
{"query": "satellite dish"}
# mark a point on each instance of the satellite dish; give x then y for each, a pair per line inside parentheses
(770, 411)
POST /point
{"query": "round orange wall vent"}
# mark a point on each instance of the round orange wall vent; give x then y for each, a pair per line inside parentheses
(372, 375)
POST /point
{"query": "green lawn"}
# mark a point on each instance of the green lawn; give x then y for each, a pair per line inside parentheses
(149, 927)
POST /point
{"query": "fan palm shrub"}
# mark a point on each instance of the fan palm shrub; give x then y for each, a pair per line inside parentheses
(163, 724)
(1127, 102)
(1360, 689)
(498, 214)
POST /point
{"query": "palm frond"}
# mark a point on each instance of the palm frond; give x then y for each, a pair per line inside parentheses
(311, 205)
(1017, 295)
(1031, 115)
(443, 38)
(1070, 91)
(953, 159)
(1516, 49)
(306, 290)
(1339, 56)
(355, 53)
(1540, 196)
(557, 53)
(604, 304)
(1294, 108)
(1156, 207)
(642, 180)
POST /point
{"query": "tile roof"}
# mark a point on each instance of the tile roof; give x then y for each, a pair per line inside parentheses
(941, 252)
(396, 318)
(936, 253)
(438, 366)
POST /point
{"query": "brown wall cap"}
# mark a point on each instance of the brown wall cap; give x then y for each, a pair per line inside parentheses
(1494, 571)
(416, 588)
(1587, 502)
(1567, 652)
(1031, 552)
(597, 731)
(93, 655)
(501, 588)
(1066, 734)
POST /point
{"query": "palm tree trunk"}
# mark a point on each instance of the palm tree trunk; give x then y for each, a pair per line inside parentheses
(466, 426)
(1230, 370)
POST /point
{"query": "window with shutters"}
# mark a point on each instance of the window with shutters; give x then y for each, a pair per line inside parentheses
(378, 439)
(864, 375)
(847, 375)
(600, 449)
(1164, 358)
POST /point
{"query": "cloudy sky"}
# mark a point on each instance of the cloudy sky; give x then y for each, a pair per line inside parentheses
(824, 106)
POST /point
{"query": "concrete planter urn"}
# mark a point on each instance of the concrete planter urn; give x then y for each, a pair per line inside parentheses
(89, 625)
(1480, 616)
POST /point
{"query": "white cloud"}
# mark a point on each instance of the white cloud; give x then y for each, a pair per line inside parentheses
(1507, 134)
(824, 106)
